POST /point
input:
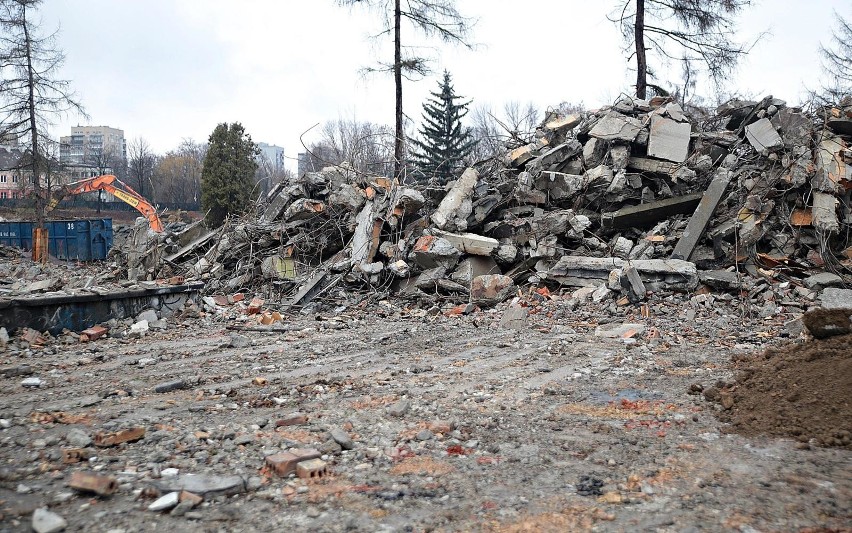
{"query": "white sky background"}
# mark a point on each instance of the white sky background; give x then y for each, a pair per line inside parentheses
(166, 70)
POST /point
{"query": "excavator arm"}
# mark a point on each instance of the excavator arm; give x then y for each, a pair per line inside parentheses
(114, 186)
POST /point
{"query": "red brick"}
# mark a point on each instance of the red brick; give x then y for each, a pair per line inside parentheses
(85, 481)
(95, 332)
(293, 419)
(237, 297)
(283, 463)
(255, 306)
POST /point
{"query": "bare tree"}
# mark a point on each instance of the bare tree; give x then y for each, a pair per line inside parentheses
(140, 166)
(365, 146)
(177, 175)
(497, 132)
(837, 64)
(689, 31)
(31, 96)
(432, 18)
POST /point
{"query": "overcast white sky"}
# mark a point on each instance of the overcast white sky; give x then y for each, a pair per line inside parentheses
(166, 70)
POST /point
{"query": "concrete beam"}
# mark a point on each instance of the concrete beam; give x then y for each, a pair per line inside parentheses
(650, 213)
(701, 218)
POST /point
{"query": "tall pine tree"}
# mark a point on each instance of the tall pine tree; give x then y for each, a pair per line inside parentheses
(444, 142)
(227, 177)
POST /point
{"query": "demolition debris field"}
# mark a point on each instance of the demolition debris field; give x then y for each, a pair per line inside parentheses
(441, 423)
(638, 321)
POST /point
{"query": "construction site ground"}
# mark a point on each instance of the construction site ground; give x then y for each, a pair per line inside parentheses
(456, 423)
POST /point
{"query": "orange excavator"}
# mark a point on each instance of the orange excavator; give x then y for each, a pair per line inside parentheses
(117, 188)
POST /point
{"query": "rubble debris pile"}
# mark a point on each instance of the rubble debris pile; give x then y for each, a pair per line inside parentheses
(636, 197)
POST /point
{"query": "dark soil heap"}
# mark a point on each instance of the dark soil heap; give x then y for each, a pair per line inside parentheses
(803, 391)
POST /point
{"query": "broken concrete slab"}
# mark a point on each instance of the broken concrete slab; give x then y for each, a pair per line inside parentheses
(700, 220)
(721, 279)
(489, 290)
(669, 139)
(472, 267)
(470, 243)
(795, 128)
(763, 137)
(615, 126)
(656, 274)
(430, 251)
(632, 284)
(653, 166)
(823, 280)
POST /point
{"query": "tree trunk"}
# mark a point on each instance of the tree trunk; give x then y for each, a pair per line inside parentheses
(641, 62)
(399, 144)
(34, 156)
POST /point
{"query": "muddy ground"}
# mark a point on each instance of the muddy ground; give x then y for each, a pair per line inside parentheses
(456, 424)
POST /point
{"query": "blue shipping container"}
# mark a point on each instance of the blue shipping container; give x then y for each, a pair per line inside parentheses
(73, 240)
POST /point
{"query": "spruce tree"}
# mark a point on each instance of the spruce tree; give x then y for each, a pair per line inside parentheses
(227, 177)
(444, 141)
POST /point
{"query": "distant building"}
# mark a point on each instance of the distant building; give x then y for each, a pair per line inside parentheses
(12, 180)
(272, 154)
(92, 150)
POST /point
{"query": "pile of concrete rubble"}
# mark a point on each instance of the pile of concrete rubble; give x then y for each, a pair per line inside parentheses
(631, 198)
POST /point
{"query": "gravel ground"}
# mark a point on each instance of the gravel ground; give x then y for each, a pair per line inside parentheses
(427, 422)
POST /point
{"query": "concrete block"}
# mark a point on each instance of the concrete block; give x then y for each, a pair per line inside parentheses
(833, 298)
(763, 137)
(822, 280)
(668, 139)
(470, 243)
(312, 470)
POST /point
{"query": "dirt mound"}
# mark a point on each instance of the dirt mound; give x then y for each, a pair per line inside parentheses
(798, 390)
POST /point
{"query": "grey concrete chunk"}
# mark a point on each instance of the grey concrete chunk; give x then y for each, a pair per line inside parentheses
(341, 437)
(449, 214)
(515, 317)
(762, 136)
(202, 484)
(45, 521)
(631, 283)
(720, 279)
(823, 280)
(616, 331)
(165, 502)
(615, 126)
(825, 212)
(470, 243)
(399, 408)
(668, 139)
(833, 298)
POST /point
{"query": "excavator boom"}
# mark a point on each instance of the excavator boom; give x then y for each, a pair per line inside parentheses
(117, 188)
